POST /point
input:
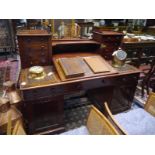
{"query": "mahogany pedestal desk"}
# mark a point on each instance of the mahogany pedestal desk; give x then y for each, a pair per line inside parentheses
(44, 101)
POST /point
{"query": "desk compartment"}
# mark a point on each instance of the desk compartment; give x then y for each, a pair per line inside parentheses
(118, 93)
(45, 92)
(73, 87)
(44, 114)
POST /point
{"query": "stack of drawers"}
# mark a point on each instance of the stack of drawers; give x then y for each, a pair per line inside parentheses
(34, 48)
(110, 42)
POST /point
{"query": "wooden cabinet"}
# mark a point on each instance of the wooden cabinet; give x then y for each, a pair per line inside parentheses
(118, 92)
(44, 114)
(110, 42)
(123, 92)
(34, 48)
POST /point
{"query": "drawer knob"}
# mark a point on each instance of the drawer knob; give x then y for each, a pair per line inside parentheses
(28, 40)
(43, 60)
(124, 79)
(42, 53)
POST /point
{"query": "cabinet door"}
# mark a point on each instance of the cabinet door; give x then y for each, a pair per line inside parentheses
(123, 93)
(43, 115)
(122, 98)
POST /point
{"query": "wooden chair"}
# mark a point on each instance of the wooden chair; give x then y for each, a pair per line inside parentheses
(97, 124)
(17, 129)
(113, 121)
(150, 104)
(148, 79)
(141, 121)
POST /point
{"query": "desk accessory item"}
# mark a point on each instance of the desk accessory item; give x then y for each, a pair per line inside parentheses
(71, 67)
(36, 72)
(96, 64)
(31, 78)
(119, 58)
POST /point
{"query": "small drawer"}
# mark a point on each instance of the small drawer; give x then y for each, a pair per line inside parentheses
(72, 88)
(40, 93)
(112, 38)
(126, 80)
(35, 39)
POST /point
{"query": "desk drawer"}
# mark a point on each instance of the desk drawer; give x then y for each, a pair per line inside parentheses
(35, 40)
(40, 93)
(111, 38)
(125, 80)
(72, 87)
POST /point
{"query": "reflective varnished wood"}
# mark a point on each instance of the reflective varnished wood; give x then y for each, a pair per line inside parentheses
(34, 47)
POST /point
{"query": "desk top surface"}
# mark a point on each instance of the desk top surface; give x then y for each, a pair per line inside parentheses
(56, 79)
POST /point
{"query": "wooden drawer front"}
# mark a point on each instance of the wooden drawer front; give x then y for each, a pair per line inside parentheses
(107, 38)
(112, 38)
(36, 56)
(35, 45)
(35, 40)
(39, 47)
(126, 80)
(72, 88)
(39, 93)
(36, 52)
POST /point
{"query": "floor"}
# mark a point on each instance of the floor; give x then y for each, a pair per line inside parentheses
(76, 112)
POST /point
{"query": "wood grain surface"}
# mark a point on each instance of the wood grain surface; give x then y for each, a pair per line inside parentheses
(71, 67)
(96, 64)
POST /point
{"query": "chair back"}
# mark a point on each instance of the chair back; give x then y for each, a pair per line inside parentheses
(150, 104)
(112, 120)
(98, 124)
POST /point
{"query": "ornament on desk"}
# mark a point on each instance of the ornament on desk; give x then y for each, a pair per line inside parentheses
(119, 58)
(62, 30)
(37, 72)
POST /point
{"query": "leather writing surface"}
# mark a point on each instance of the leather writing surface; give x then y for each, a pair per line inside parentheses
(71, 67)
(96, 64)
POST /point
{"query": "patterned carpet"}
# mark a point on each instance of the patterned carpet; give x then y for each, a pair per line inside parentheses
(76, 112)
